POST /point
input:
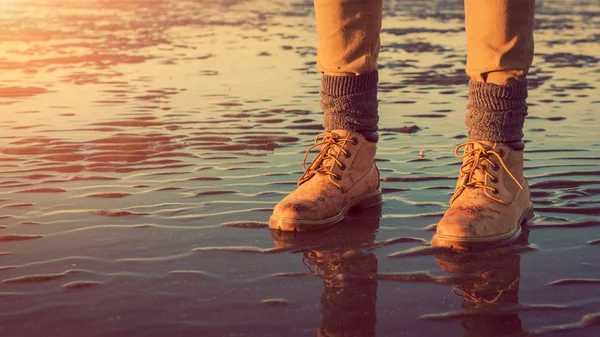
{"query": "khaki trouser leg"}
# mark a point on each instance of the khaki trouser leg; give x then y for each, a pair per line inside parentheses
(348, 36)
(499, 39)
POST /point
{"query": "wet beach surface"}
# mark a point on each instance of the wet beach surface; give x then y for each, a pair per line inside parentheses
(144, 144)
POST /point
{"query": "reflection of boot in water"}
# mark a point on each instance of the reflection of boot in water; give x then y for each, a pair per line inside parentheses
(341, 258)
(491, 289)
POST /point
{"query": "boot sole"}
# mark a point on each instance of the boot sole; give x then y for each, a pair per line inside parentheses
(471, 244)
(287, 224)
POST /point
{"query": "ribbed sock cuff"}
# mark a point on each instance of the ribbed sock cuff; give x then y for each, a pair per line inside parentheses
(496, 112)
(350, 102)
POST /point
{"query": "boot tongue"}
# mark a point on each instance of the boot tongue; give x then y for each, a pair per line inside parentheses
(481, 145)
(334, 151)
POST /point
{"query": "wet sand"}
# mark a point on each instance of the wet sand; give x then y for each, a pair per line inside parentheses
(144, 143)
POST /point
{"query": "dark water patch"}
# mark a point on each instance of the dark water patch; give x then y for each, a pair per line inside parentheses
(569, 60)
(29, 223)
(305, 120)
(246, 224)
(209, 139)
(209, 193)
(560, 184)
(541, 194)
(205, 179)
(594, 242)
(116, 213)
(552, 119)
(574, 281)
(80, 284)
(17, 205)
(142, 226)
(388, 190)
(43, 190)
(108, 195)
(7, 92)
(162, 189)
(18, 237)
(404, 129)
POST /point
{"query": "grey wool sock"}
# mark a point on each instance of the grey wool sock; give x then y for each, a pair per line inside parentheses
(496, 112)
(350, 103)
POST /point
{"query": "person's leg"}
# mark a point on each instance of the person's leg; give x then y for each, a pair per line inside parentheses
(347, 57)
(492, 197)
(343, 175)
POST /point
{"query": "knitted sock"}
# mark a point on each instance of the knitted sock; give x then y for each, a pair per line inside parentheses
(350, 103)
(496, 112)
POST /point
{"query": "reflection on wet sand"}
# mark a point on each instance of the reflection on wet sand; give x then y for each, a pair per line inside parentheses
(488, 283)
(343, 259)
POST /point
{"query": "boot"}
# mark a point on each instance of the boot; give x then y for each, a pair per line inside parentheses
(343, 176)
(491, 199)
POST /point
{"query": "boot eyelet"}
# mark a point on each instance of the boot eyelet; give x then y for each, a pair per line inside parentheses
(494, 180)
(501, 153)
(343, 167)
(347, 154)
(495, 167)
(354, 141)
(495, 191)
(337, 177)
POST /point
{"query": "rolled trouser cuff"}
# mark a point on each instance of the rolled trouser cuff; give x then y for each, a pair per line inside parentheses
(496, 112)
(350, 102)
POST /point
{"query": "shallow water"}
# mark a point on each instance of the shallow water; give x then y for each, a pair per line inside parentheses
(144, 143)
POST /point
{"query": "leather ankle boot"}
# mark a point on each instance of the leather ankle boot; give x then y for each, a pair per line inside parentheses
(343, 176)
(491, 199)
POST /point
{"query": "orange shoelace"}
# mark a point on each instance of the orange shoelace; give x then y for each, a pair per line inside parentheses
(329, 140)
(476, 160)
(482, 290)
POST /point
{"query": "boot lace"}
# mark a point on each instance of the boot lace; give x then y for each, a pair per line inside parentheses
(328, 141)
(476, 160)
